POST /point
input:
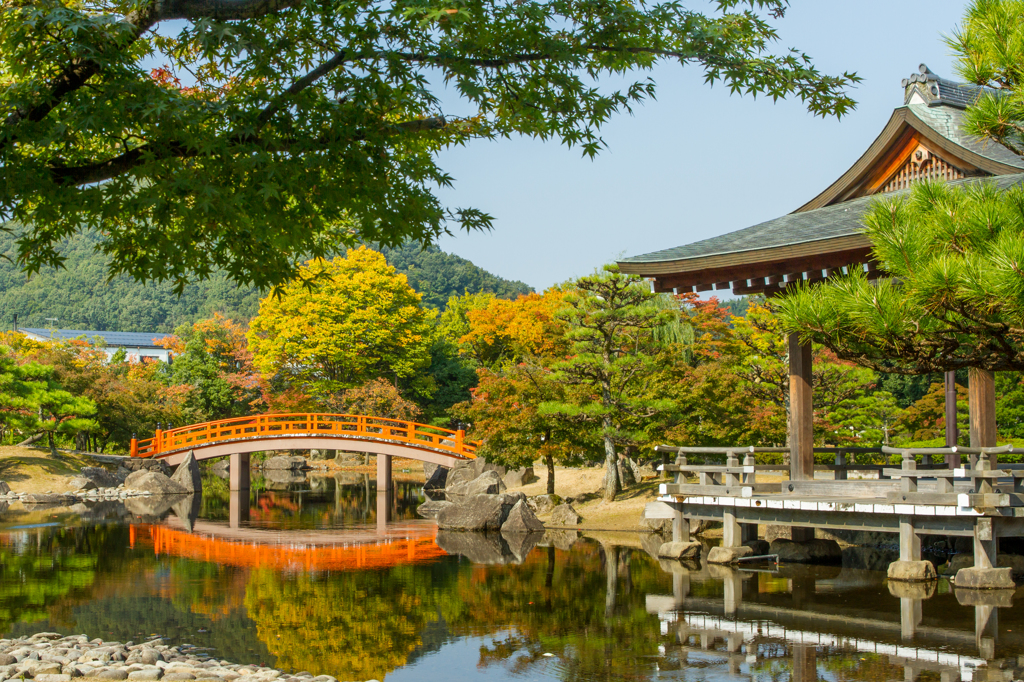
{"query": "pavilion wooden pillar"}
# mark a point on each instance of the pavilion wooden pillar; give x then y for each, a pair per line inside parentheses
(981, 391)
(801, 411)
(952, 436)
(801, 421)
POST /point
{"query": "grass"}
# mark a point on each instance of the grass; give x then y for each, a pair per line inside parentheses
(35, 470)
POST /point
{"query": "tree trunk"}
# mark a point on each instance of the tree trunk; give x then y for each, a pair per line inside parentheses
(611, 462)
(549, 459)
(611, 567)
(53, 444)
(32, 439)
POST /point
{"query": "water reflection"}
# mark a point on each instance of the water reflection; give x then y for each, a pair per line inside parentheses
(303, 579)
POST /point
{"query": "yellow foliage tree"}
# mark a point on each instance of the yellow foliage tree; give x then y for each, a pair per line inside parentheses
(341, 324)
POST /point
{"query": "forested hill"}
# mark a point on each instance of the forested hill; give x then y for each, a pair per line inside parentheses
(80, 297)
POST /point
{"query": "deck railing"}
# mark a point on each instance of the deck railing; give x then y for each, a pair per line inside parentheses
(263, 426)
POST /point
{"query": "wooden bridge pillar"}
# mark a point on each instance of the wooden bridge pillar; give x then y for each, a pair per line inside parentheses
(981, 392)
(238, 472)
(801, 420)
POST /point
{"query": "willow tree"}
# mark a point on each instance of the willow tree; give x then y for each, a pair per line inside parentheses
(272, 131)
(954, 295)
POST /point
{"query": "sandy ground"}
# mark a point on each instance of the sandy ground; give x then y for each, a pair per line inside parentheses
(585, 486)
(34, 470)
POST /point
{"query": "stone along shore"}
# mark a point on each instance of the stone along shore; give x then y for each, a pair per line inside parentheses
(49, 657)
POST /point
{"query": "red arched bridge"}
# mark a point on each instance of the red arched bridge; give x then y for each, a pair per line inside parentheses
(305, 431)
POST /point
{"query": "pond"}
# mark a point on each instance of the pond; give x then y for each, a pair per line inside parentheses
(306, 578)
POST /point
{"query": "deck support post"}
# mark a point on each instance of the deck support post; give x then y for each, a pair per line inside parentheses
(383, 473)
(985, 543)
(952, 435)
(910, 541)
(732, 584)
(805, 665)
(911, 615)
(238, 471)
(680, 527)
(731, 533)
(981, 392)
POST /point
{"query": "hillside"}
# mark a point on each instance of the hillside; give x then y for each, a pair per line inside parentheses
(80, 297)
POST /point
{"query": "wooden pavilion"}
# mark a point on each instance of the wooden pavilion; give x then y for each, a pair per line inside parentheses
(924, 139)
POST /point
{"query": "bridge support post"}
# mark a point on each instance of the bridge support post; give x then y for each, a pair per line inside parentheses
(384, 492)
(238, 508)
(238, 472)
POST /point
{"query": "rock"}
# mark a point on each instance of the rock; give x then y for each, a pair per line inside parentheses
(1014, 562)
(115, 674)
(147, 464)
(431, 508)
(82, 483)
(912, 571)
(521, 520)
(7, 659)
(480, 465)
(814, 551)
(728, 555)
(520, 477)
(153, 482)
(461, 473)
(292, 462)
(146, 675)
(679, 550)
(956, 563)
(758, 547)
(188, 476)
(656, 525)
(565, 515)
(187, 509)
(47, 499)
(487, 483)
(542, 504)
(521, 544)
(52, 677)
(178, 677)
(1002, 598)
(477, 512)
(437, 476)
(4, 488)
(282, 479)
(100, 476)
(985, 578)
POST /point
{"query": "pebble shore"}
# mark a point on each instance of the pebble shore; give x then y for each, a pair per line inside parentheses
(50, 657)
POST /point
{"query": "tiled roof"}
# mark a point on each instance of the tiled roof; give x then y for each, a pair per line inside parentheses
(942, 91)
(948, 121)
(829, 222)
(126, 339)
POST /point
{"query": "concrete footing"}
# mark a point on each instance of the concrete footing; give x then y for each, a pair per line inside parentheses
(912, 571)
(984, 579)
(728, 555)
(679, 550)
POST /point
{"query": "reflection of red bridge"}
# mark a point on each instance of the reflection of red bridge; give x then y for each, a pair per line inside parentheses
(303, 431)
(293, 550)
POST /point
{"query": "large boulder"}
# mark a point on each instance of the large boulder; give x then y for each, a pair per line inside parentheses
(286, 462)
(187, 509)
(146, 463)
(436, 475)
(565, 515)
(560, 539)
(431, 508)
(479, 548)
(543, 504)
(911, 571)
(81, 483)
(461, 473)
(4, 488)
(985, 578)
(521, 520)
(153, 482)
(100, 476)
(520, 477)
(487, 483)
(152, 507)
(187, 475)
(728, 555)
(679, 550)
(480, 465)
(478, 512)
(521, 544)
(816, 551)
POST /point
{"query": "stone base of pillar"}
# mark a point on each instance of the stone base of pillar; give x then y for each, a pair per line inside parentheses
(728, 555)
(912, 571)
(984, 578)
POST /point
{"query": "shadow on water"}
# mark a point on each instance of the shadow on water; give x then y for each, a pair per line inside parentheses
(302, 578)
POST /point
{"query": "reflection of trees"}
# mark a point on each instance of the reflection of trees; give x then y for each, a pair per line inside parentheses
(357, 625)
(557, 602)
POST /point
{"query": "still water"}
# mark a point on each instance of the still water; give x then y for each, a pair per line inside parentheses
(305, 577)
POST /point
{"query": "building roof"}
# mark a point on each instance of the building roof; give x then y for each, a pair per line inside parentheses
(126, 339)
(825, 233)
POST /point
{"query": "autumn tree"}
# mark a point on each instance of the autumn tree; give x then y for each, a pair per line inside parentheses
(377, 397)
(520, 341)
(610, 319)
(211, 359)
(926, 418)
(277, 131)
(345, 322)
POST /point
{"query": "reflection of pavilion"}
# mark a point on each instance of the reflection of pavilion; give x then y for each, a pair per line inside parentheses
(329, 550)
(747, 626)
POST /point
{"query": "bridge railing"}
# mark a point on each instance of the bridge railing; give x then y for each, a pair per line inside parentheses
(263, 426)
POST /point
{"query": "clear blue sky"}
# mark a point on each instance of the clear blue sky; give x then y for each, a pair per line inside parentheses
(696, 162)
